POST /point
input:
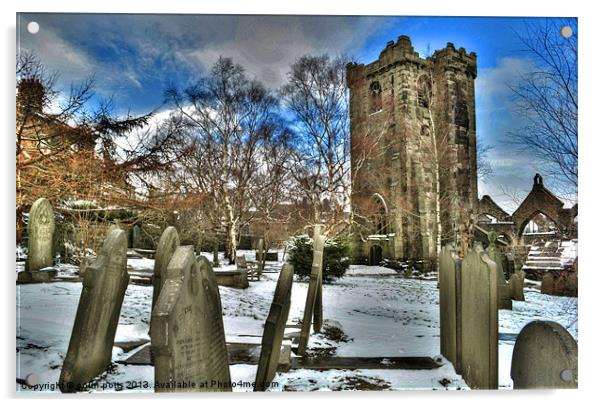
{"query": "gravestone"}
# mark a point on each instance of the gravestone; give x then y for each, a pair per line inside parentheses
(260, 256)
(40, 230)
(312, 292)
(168, 243)
(450, 268)
(504, 300)
(479, 321)
(318, 307)
(547, 284)
(241, 262)
(187, 330)
(91, 344)
(273, 330)
(544, 357)
(136, 237)
(517, 283)
(572, 284)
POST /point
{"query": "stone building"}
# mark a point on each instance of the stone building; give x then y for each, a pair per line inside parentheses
(410, 116)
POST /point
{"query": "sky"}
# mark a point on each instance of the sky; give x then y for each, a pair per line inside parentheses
(135, 57)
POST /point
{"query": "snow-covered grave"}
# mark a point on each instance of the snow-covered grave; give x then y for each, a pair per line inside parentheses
(371, 311)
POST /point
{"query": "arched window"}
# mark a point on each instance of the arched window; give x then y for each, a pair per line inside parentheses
(424, 88)
(376, 101)
(379, 216)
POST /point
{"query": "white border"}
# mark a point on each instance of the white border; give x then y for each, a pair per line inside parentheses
(590, 261)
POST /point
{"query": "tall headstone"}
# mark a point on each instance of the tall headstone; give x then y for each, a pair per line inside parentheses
(312, 292)
(504, 300)
(260, 256)
(273, 330)
(544, 357)
(517, 283)
(318, 307)
(168, 243)
(479, 321)
(187, 330)
(450, 269)
(104, 286)
(136, 237)
(40, 229)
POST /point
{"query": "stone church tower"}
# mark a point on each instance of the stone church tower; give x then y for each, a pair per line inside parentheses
(409, 117)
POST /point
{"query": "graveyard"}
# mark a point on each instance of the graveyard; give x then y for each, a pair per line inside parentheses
(378, 329)
(335, 226)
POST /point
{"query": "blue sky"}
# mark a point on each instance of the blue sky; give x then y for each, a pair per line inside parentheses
(135, 57)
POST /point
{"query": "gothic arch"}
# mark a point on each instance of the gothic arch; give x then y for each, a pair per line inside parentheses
(380, 215)
(424, 90)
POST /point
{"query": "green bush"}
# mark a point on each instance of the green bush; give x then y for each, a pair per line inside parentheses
(335, 260)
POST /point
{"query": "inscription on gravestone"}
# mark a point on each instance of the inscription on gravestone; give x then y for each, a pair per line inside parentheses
(273, 330)
(544, 357)
(312, 291)
(479, 321)
(104, 286)
(187, 332)
(40, 229)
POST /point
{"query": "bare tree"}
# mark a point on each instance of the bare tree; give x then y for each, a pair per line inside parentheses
(547, 100)
(68, 151)
(316, 95)
(238, 145)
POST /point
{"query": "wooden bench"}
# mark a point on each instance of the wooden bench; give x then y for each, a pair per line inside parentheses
(250, 267)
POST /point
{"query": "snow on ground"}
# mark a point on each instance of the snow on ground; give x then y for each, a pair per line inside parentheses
(374, 310)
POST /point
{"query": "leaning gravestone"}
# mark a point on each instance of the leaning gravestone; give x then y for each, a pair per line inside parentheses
(168, 243)
(312, 292)
(544, 357)
(517, 283)
(187, 331)
(504, 300)
(91, 344)
(318, 307)
(273, 330)
(479, 321)
(450, 268)
(40, 230)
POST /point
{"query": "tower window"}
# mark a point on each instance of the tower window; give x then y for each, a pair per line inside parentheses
(376, 101)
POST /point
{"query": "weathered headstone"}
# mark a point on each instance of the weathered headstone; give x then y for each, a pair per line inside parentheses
(547, 284)
(40, 230)
(241, 262)
(91, 344)
(318, 307)
(312, 292)
(273, 330)
(260, 256)
(187, 331)
(168, 243)
(517, 283)
(136, 236)
(504, 300)
(544, 357)
(479, 321)
(450, 268)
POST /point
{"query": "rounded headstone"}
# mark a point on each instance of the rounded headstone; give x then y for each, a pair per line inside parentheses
(40, 230)
(544, 357)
